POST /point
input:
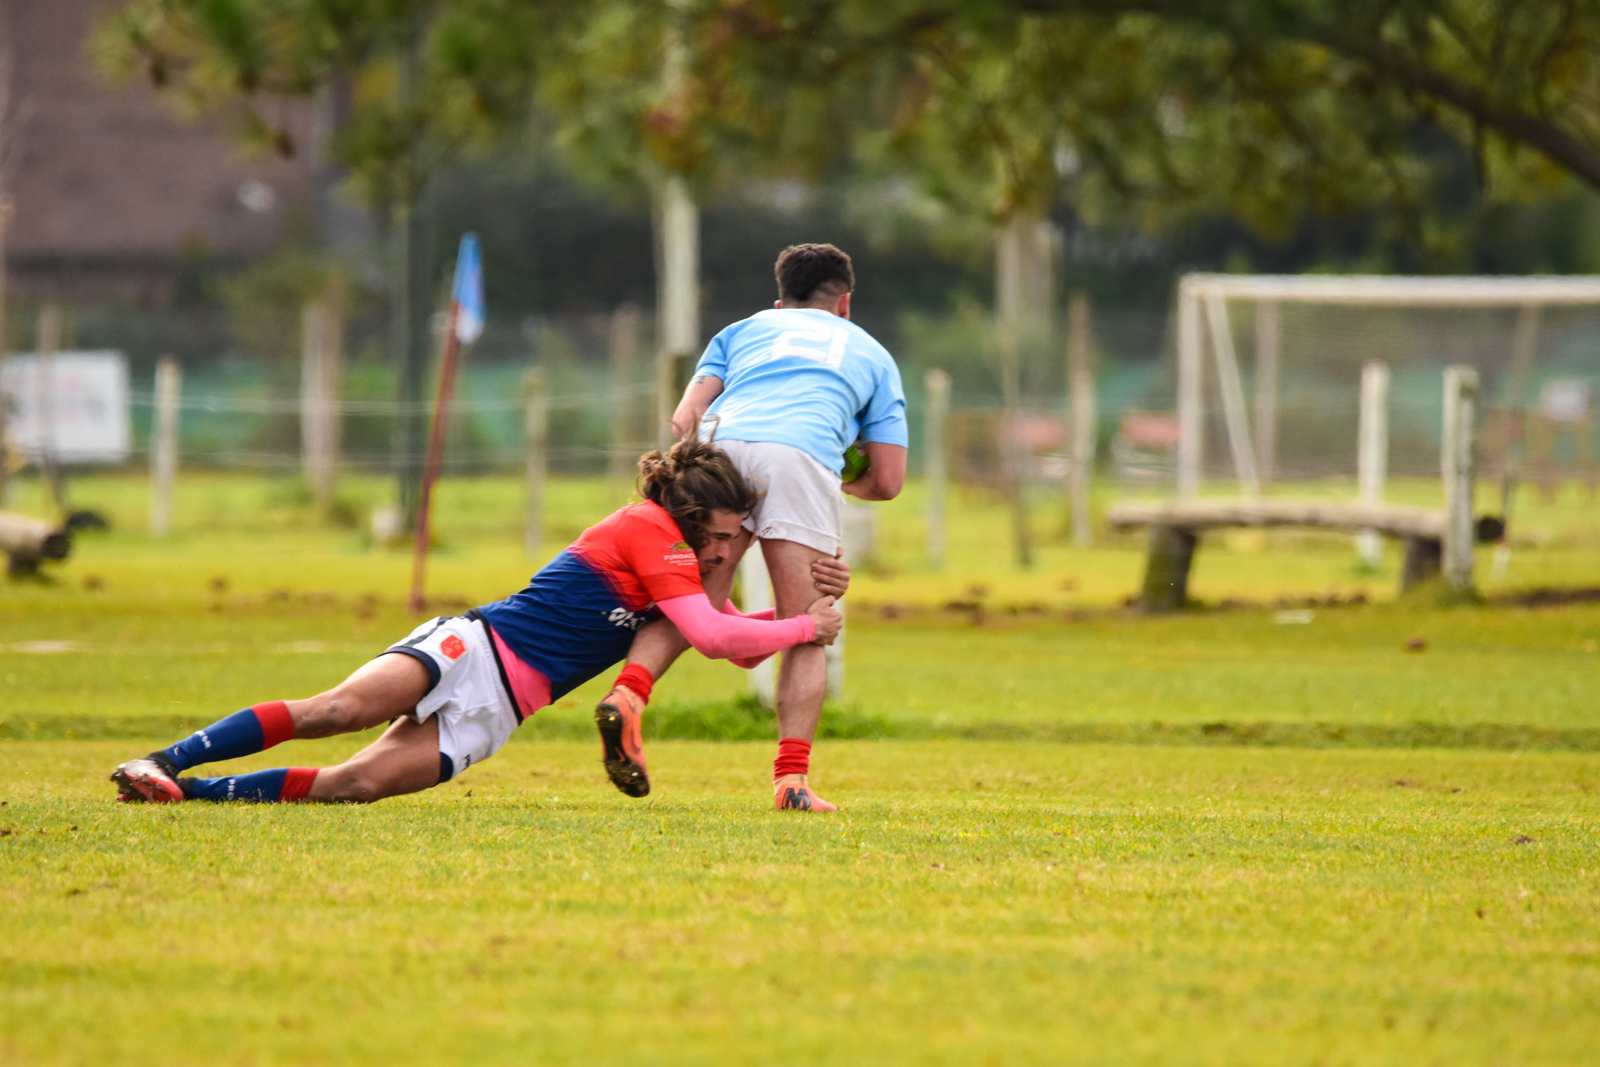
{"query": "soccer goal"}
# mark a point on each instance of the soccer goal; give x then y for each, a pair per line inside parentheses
(1296, 378)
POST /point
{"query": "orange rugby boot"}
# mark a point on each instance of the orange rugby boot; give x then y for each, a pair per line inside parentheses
(619, 717)
(791, 793)
(146, 781)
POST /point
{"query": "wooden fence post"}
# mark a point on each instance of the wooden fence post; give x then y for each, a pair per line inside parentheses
(164, 445)
(677, 224)
(1457, 448)
(623, 437)
(321, 368)
(1372, 451)
(936, 453)
(5, 412)
(1080, 386)
(45, 402)
(535, 431)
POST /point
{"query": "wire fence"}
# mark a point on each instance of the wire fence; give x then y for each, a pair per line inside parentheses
(242, 410)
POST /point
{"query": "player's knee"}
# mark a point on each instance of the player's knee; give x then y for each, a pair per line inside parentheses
(316, 718)
(334, 712)
(349, 785)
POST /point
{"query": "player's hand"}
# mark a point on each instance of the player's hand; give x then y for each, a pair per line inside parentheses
(827, 619)
(831, 576)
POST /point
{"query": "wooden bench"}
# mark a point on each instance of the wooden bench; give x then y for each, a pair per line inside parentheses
(27, 542)
(1175, 529)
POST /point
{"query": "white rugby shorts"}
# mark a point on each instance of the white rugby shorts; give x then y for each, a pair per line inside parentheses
(800, 498)
(470, 694)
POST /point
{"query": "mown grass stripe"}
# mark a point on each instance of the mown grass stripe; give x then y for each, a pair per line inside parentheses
(746, 720)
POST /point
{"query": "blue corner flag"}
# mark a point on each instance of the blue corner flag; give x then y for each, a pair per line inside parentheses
(468, 290)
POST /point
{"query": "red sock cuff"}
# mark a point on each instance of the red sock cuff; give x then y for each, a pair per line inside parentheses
(637, 678)
(276, 725)
(297, 783)
(794, 757)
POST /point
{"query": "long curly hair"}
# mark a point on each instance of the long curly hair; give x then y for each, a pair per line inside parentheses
(691, 481)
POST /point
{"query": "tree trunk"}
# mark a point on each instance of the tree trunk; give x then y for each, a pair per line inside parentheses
(321, 372)
(1080, 391)
(677, 226)
(1025, 268)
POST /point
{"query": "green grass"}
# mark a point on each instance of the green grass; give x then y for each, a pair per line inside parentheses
(1308, 845)
(252, 599)
(973, 902)
(157, 643)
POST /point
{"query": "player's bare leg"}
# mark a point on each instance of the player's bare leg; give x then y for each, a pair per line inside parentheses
(802, 677)
(377, 692)
(656, 647)
(404, 760)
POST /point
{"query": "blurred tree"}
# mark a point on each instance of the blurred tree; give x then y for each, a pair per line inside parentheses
(1151, 110)
(1142, 111)
(629, 103)
(1509, 76)
(417, 80)
(1157, 110)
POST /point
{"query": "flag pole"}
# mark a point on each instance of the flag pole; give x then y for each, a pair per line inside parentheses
(463, 325)
(430, 474)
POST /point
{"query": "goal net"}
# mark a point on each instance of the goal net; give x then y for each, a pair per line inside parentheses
(1269, 369)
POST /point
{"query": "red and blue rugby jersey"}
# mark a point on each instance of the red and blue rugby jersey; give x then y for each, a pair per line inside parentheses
(579, 613)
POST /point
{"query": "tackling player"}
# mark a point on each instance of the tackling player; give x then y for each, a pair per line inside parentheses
(456, 688)
(785, 393)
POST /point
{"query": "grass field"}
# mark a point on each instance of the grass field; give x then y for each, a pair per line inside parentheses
(973, 902)
(1308, 844)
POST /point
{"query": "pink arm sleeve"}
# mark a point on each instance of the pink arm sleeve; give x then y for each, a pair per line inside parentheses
(767, 614)
(721, 636)
(748, 662)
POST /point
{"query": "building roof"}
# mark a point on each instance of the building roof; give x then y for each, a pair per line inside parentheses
(111, 189)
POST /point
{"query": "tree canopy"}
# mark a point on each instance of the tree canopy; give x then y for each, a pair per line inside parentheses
(1132, 109)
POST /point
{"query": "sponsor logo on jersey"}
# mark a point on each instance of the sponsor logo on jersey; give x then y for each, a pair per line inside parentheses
(681, 555)
(452, 647)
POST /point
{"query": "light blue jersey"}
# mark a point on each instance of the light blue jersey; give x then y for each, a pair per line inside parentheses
(806, 378)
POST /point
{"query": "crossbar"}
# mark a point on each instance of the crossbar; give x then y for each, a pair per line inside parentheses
(1194, 515)
(1457, 291)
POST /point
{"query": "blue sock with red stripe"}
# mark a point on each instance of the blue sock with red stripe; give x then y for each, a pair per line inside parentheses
(283, 784)
(243, 733)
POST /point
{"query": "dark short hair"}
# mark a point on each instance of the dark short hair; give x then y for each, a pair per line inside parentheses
(691, 481)
(806, 271)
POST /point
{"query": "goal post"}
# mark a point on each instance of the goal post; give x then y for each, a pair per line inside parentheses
(1478, 311)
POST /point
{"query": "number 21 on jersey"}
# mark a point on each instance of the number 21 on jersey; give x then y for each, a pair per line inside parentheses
(821, 344)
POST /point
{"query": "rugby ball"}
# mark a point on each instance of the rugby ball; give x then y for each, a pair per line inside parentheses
(855, 464)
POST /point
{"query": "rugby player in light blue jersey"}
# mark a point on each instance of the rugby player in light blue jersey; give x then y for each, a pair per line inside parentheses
(785, 393)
